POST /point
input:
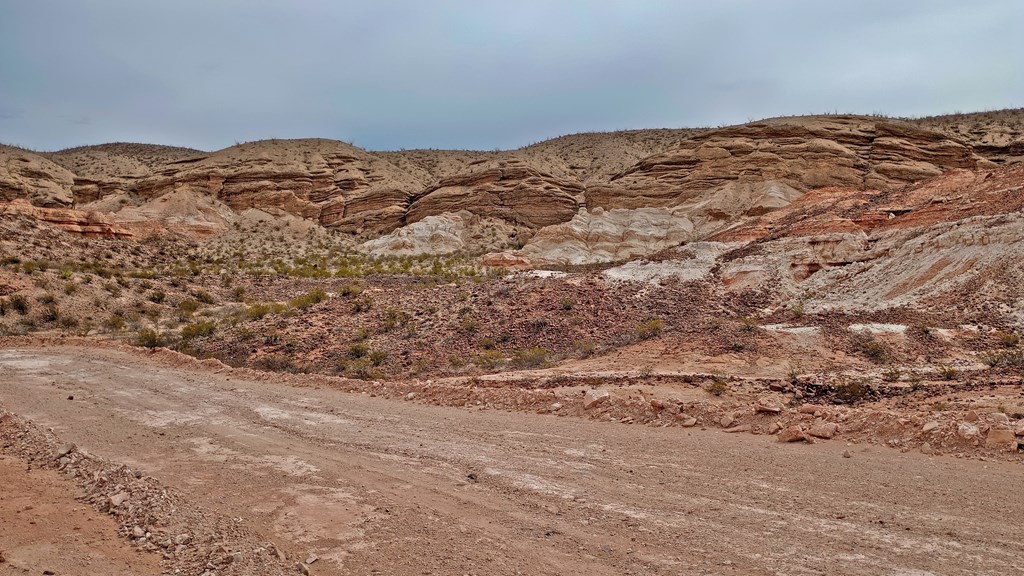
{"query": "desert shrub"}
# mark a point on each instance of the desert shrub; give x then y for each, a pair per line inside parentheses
(275, 362)
(115, 323)
(238, 294)
(50, 313)
(187, 306)
(4, 306)
(875, 350)
(568, 304)
(363, 304)
(157, 296)
(46, 299)
(377, 357)
(649, 328)
(308, 300)
(851, 391)
(487, 343)
(203, 296)
(530, 357)
(350, 290)
(68, 322)
(489, 359)
(892, 374)
(393, 319)
(70, 288)
(358, 350)
(148, 338)
(1008, 339)
(198, 329)
(1013, 358)
(257, 311)
(717, 387)
(469, 324)
(948, 372)
(585, 348)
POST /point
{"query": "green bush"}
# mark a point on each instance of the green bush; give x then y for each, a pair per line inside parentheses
(198, 329)
(530, 358)
(308, 300)
(149, 338)
(649, 328)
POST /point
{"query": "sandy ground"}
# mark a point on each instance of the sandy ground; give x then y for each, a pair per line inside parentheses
(44, 529)
(390, 487)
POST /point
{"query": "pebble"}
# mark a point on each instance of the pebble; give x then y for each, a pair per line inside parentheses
(824, 430)
(929, 426)
(555, 407)
(66, 449)
(926, 448)
(689, 422)
(312, 558)
(726, 420)
(846, 454)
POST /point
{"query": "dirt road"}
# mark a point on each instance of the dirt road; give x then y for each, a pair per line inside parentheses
(393, 487)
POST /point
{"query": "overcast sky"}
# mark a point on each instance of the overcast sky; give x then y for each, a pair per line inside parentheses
(391, 74)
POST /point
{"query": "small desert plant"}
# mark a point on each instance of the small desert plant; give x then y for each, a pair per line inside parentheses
(568, 304)
(717, 387)
(1008, 339)
(892, 374)
(157, 296)
(875, 350)
(377, 357)
(649, 328)
(115, 323)
(358, 350)
(585, 348)
(948, 372)
(350, 290)
(198, 329)
(148, 338)
(530, 357)
(851, 391)
(489, 359)
(204, 297)
(309, 299)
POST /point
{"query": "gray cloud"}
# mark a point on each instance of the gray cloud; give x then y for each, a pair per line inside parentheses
(483, 74)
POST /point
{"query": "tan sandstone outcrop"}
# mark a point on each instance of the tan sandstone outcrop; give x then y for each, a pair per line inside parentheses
(508, 190)
(333, 183)
(791, 153)
(28, 175)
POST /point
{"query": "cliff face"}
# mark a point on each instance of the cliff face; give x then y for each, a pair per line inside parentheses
(792, 153)
(29, 176)
(510, 191)
(689, 184)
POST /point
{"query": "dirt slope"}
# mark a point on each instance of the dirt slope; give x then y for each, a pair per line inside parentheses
(400, 488)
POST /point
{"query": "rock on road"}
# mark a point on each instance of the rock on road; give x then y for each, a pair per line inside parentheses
(397, 487)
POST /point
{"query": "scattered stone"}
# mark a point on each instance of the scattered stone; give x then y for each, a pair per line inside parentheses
(66, 449)
(1001, 439)
(767, 406)
(740, 428)
(846, 454)
(689, 422)
(182, 539)
(726, 420)
(555, 407)
(138, 533)
(825, 430)
(595, 397)
(926, 448)
(1019, 431)
(71, 396)
(967, 431)
(999, 417)
(808, 408)
(791, 434)
(971, 416)
(311, 558)
(118, 499)
(236, 557)
(410, 396)
(302, 568)
(929, 426)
